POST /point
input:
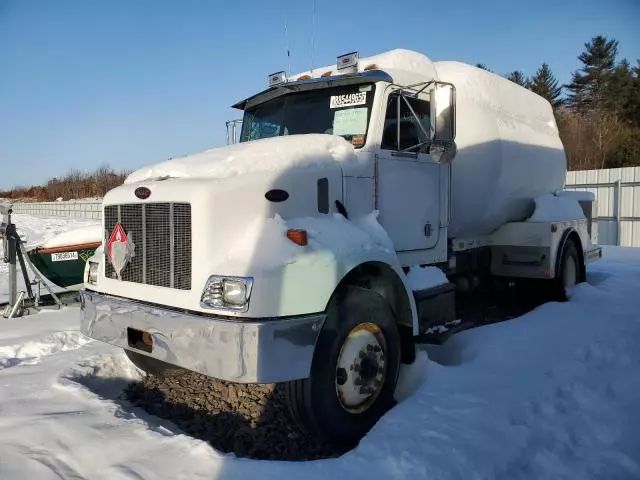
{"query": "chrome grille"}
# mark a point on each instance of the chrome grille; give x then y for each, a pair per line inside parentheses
(182, 246)
(161, 233)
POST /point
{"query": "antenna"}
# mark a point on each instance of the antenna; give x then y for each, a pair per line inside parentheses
(286, 43)
(313, 31)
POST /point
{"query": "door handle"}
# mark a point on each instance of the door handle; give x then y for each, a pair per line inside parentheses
(427, 229)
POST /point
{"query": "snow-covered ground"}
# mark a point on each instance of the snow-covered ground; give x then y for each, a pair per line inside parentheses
(554, 394)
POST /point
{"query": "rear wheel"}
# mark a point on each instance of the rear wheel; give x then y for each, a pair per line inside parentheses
(568, 274)
(354, 370)
(153, 366)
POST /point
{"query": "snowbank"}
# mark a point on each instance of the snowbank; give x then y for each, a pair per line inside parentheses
(421, 278)
(551, 208)
(87, 234)
(264, 155)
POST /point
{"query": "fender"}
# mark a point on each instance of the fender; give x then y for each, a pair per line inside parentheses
(307, 285)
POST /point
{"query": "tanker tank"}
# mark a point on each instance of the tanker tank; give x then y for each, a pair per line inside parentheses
(509, 151)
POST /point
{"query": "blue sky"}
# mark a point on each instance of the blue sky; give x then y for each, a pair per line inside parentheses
(129, 83)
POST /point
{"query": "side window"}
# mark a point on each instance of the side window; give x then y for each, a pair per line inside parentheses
(411, 133)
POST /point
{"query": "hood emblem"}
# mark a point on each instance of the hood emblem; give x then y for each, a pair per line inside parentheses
(142, 193)
(120, 249)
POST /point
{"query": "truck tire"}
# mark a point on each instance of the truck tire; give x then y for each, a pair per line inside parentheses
(568, 274)
(354, 370)
(153, 366)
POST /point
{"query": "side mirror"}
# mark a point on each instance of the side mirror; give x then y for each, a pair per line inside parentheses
(443, 104)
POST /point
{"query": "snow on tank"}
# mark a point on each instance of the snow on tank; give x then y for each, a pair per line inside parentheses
(509, 151)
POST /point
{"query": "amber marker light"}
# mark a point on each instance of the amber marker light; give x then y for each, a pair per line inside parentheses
(297, 236)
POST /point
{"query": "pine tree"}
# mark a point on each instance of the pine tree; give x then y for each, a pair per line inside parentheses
(544, 83)
(588, 84)
(518, 77)
(619, 97)
(483, 67)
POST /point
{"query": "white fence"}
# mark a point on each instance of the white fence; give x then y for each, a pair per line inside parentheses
(617, 212)
(89, 210)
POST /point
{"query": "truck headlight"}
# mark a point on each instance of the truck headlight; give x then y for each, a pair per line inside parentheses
(92, 274)
(231, 293)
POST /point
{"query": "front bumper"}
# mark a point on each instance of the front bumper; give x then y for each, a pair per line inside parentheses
(237, 350)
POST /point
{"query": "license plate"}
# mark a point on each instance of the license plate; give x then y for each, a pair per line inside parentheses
(64, 256)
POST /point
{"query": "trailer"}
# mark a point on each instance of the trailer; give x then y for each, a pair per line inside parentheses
(360, 199)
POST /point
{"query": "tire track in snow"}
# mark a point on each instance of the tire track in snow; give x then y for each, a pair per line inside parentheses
(57, 464)
(31, 352)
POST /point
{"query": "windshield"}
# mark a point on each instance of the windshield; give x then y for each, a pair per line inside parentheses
(343, 111)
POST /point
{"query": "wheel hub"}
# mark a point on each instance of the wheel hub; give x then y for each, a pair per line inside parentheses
(361, 369)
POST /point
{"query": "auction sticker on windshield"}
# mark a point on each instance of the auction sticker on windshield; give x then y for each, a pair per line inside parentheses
(352, 121)
(348, 100)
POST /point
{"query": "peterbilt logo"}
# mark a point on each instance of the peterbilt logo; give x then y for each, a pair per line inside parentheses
(142, 193)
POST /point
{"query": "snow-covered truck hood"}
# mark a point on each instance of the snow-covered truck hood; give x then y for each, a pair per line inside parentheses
(269, 155)
(236, 229)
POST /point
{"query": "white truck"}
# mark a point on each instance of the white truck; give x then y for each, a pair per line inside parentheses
(287, 257)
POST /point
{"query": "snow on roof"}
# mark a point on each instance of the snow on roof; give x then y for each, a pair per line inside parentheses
(264, 155)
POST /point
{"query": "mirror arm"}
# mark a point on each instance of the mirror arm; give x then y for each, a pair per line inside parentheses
(424, 87)
(418, 145)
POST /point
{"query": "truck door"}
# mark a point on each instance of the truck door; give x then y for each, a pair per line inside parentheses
(408, 178)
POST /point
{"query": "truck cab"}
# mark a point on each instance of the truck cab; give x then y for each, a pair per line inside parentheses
(284, 258)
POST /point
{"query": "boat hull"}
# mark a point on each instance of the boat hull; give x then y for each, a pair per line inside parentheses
(63, 266)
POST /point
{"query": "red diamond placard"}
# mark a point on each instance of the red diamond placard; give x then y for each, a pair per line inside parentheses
(119, 249)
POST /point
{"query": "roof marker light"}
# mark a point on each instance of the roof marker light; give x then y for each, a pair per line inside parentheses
(349, 60)
(277, 78)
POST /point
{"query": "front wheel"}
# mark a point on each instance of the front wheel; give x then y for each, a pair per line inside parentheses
(354, 370)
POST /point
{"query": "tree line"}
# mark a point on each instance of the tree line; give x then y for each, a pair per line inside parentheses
(598, 111)
(74, 185)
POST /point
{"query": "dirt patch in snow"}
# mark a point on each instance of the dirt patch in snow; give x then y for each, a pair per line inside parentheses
(248, 420)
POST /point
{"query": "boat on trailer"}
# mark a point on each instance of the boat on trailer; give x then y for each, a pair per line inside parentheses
(62, 259)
